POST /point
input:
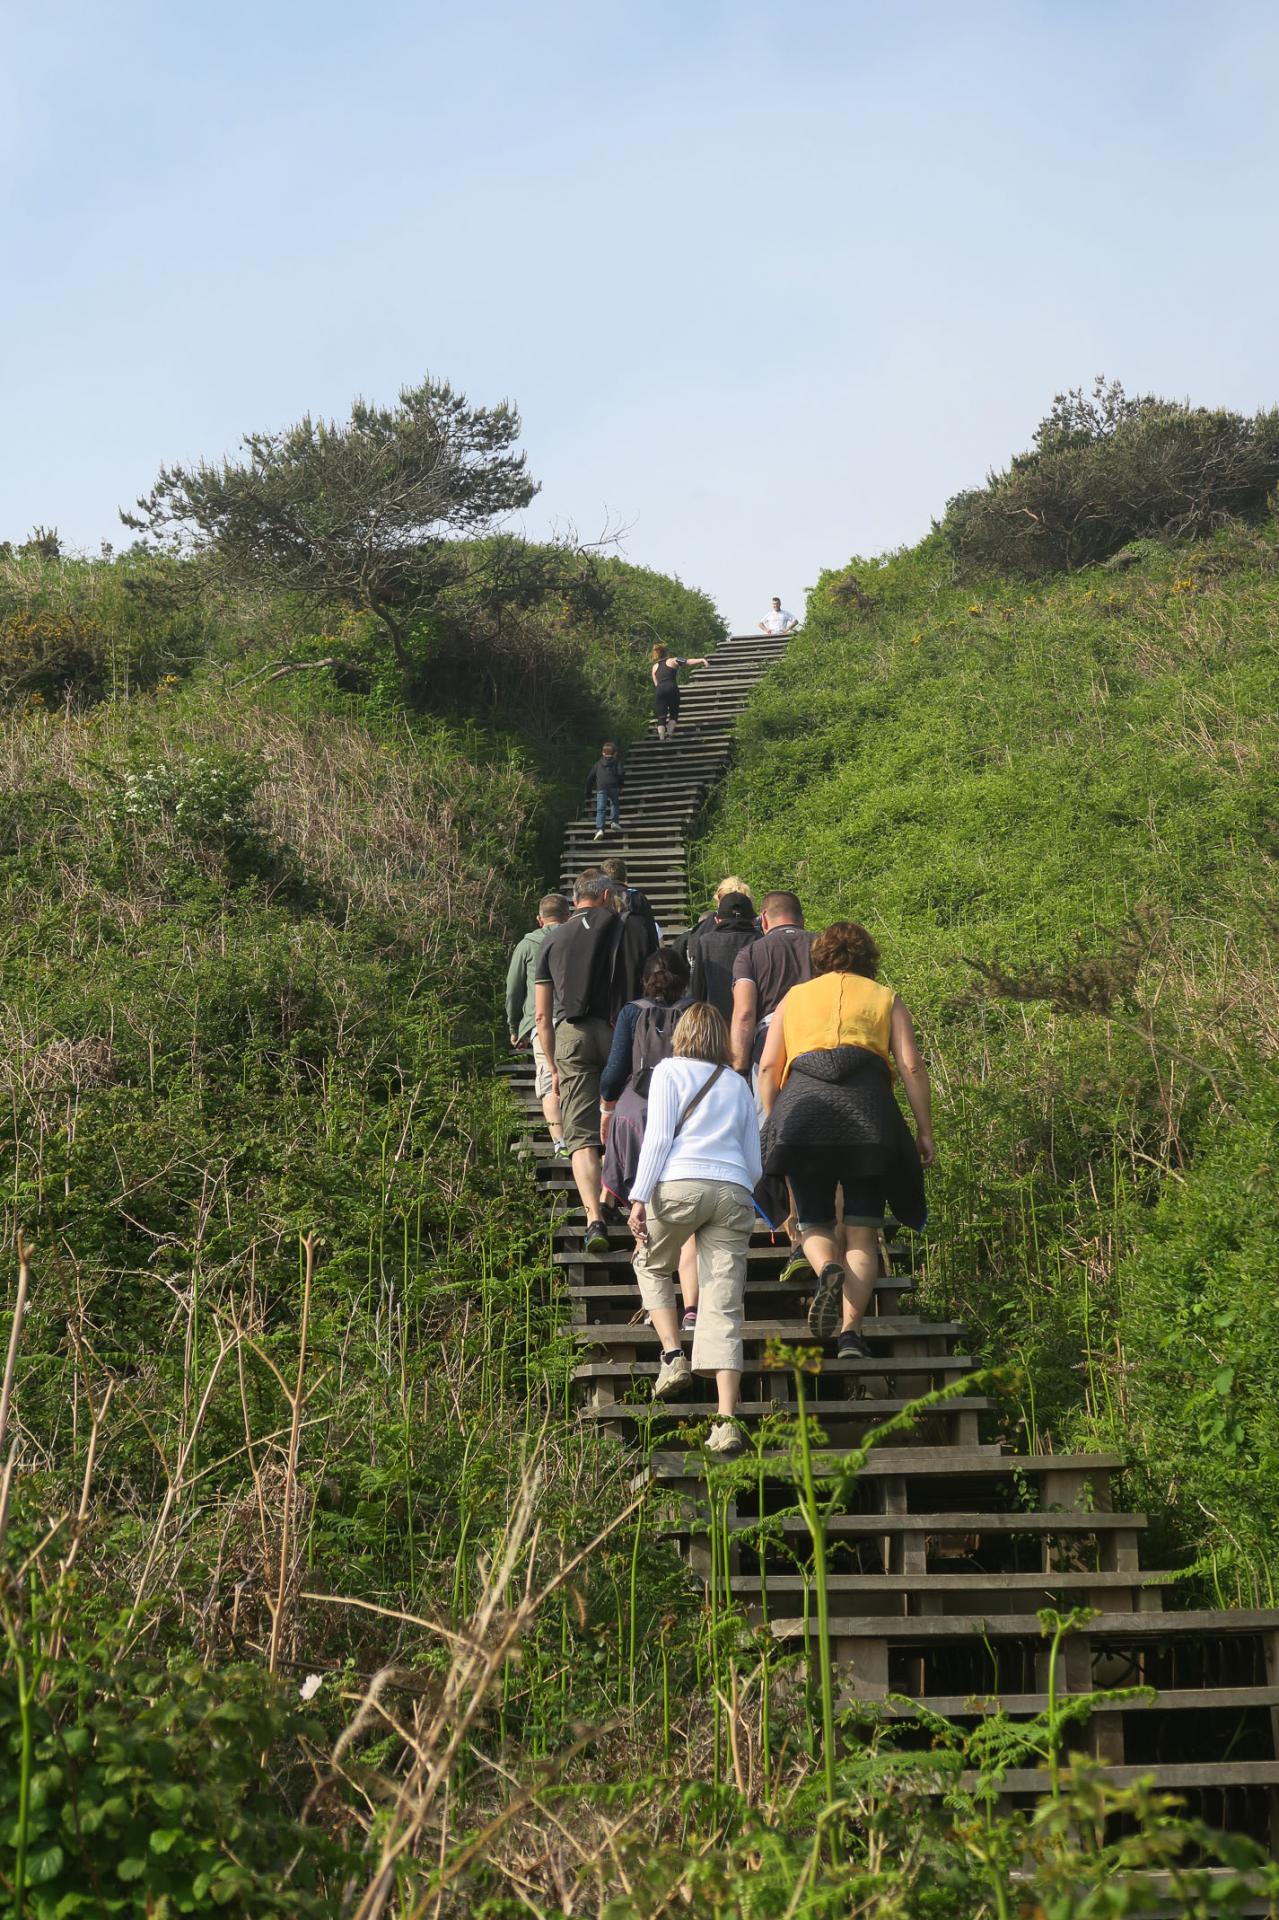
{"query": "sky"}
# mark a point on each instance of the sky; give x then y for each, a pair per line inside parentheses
(768, 282)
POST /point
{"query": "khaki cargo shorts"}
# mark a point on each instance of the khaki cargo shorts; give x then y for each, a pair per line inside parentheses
(581, 1052)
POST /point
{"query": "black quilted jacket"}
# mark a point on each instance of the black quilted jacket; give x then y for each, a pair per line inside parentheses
(837, 1108)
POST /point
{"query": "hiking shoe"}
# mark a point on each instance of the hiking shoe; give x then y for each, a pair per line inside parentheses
(689, 1323)
(825, 1309)
(796, 1263)
(853, 1346)
(725, 1439)
(596, 1237)
(673, 1373)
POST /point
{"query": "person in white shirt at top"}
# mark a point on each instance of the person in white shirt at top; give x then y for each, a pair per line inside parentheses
(778, 621)
(697, 1170)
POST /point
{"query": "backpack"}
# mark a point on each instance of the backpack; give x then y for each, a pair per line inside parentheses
(652, 1039)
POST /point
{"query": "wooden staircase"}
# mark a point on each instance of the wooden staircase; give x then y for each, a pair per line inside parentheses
(950, 1542)
(667, 781)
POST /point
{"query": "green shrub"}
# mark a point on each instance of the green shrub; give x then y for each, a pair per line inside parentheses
(145, 1795)
(1109, 470)
(1197, 1301)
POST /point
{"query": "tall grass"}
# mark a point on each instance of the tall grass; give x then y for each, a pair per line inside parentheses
(1055, 809)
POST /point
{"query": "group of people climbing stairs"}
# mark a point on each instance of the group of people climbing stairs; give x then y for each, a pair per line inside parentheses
(950, 1543)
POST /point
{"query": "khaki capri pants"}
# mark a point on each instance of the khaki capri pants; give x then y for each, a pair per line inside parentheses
(541, 1069)
(722, 1215)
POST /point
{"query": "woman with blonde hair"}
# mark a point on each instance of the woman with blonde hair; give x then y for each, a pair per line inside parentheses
(834, 1129)
(664, 673)
(697, 1170)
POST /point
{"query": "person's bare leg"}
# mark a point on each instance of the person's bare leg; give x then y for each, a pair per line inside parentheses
(666, 1327)
(586, 1175)
(822, 1245)
(862, 1264)
(688, 1273)
(551, 1115)
(728, 1385)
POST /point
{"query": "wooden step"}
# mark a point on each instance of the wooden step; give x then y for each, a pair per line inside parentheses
(894, 1329)
(1079, 1481)
(868, 1411)
(923, 1592)
(976, 1706)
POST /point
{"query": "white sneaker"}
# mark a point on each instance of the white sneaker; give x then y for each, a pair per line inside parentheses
(599, 833)
(671, 1376)
(725, 1439)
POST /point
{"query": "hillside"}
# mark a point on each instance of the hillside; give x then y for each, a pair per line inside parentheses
(288, 1350)
(1057, 807)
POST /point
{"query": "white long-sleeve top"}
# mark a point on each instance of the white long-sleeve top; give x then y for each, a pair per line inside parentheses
(718, 1141)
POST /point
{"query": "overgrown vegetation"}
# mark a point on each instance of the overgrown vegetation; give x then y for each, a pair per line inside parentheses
(314, 1602)
(1057, 811)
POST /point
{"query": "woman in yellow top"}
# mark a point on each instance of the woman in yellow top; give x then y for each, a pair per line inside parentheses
(825, 1082)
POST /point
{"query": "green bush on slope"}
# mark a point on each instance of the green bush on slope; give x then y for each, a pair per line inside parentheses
(1077, 787)
(1106, 470)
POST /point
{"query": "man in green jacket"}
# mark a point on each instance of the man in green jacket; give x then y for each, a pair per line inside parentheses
(552, 910)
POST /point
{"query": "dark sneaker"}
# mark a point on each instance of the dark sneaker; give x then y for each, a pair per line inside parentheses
(596, 1237)
(796, 1265)
(826, 1308)
(852, 1346)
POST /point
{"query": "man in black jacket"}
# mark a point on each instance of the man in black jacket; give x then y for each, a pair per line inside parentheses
(718, 943)
(635, 944)
(629, 899)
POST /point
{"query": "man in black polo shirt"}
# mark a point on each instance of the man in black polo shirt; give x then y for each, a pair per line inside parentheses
(764, 973)
(572, 988)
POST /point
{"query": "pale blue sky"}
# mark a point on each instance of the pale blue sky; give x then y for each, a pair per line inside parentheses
(768, 281)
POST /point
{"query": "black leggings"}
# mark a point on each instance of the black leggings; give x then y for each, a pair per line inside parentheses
(666, 703)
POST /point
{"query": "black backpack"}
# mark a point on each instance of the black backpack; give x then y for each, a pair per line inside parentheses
(652, 1039)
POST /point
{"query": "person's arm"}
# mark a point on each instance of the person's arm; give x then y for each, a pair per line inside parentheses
(592, 779)
(750, 1140)
(516, 984)
(695, 660)
(772, 1062)
(910, 1065)
(617, 1070)
(742, 1029)
(544, 1000)
(764, 627)
(659, 1133)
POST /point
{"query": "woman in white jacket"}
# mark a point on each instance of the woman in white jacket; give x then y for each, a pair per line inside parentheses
(697, 1170)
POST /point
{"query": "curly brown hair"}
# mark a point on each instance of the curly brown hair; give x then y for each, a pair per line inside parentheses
(665, 975)
(846, 947)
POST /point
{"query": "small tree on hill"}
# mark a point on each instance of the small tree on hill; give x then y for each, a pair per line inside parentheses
(1106, 469)
(361, 511)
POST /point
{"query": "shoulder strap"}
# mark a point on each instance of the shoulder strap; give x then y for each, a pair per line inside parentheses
(698, 1098)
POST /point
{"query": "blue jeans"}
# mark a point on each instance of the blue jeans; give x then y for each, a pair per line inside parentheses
(607, 803)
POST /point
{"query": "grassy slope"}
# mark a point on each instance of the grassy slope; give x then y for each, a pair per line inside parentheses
(251, 953)
(1085, 772)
